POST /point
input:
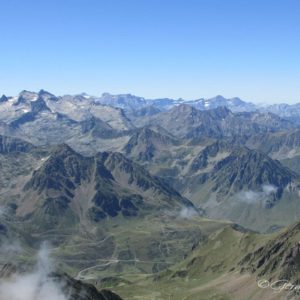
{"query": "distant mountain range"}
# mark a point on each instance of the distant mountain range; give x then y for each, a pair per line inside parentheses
(42, 118)
(134, 103)
(131, 102)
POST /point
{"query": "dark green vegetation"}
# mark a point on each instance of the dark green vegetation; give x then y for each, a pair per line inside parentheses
(151, 200)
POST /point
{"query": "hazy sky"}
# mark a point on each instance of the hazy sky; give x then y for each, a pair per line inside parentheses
(153, 48)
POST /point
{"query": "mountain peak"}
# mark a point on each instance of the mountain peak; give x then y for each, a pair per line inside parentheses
(27, 94)
(47, 96)
(63, 150)
(26, 97)
(218, 98)
(39, 105)
(3, 99)
(42, 92)
(45, 93)
(256, 168)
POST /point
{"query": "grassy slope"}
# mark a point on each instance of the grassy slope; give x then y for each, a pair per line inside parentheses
(212, 271)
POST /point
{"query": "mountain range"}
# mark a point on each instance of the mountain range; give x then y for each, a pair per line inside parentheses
(158, 199)
(134, 103)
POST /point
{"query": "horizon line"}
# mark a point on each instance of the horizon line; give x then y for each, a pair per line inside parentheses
(151, 99)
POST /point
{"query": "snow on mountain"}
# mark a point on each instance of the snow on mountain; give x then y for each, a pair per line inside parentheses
(78, 105)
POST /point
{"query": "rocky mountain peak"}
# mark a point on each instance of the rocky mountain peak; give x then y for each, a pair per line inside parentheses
(3, 99)
(39, 105)
(218, 98)
(47, 96)
(63, 150)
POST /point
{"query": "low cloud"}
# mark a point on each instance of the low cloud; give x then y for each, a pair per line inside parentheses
(35, 285)
(269, 189)
(184, 213)
(252, 197)
(188, 213)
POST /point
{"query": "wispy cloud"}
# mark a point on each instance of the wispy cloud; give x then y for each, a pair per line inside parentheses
(252, 197)
(187, 213)
(35, 285)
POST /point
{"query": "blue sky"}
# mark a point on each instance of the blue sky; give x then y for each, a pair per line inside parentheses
(153, 48)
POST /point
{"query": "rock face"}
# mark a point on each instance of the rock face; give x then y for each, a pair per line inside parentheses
(63, 170)
(278, 258)
(39, 105)
(8, 145)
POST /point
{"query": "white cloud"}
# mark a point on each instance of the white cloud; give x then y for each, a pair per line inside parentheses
(269, 189)
(35, 285)
(187, 213)
(252, 197)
